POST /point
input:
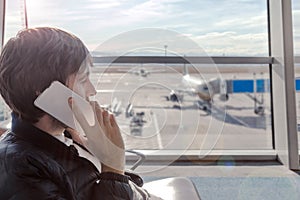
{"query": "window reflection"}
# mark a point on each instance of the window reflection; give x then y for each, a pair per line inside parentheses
(151, 119)
(152, 116)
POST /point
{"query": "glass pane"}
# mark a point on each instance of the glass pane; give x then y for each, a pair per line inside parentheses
(296, 32)
(155, 111)
(14, 21)
(222, 28)
(14, 18)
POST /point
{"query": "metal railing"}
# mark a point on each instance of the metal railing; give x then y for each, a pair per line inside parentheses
(185, 59)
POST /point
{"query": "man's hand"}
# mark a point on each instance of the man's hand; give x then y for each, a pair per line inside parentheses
(76, 136)
(103, 139)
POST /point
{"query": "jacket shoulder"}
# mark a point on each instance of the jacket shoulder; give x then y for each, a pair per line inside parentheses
(18, 156)
(28, 172)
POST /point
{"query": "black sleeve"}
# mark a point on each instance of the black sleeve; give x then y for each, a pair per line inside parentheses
(27, 178)
(135, 178)
(38, 190)
(112, 186)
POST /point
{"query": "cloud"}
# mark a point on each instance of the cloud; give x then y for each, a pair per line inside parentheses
(245, 22)
(221, 25)
(102, 4)
(144, 11)
(232, 43)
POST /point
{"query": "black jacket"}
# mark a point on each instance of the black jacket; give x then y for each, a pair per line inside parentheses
(35, 165)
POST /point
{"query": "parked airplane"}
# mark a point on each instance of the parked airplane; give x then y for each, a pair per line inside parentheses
(143, 72)
(205, 90)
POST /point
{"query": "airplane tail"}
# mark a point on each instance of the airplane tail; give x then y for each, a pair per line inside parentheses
(185, 69)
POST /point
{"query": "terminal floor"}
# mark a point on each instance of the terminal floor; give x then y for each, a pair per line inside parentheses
(232, 181)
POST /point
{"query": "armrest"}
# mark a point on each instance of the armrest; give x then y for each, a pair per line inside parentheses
(141, 159)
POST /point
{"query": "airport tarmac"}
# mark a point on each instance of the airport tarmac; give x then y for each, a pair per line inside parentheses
(172, 125)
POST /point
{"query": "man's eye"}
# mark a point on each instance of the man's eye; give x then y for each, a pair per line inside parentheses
(82, 80)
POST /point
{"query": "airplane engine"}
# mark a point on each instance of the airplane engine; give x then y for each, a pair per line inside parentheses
(174, 97)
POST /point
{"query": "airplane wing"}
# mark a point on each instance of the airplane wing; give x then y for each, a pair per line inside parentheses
(189, 91)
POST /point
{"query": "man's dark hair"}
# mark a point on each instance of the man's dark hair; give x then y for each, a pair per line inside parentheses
(31, 61)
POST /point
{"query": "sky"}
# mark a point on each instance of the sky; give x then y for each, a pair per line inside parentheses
(218, 27)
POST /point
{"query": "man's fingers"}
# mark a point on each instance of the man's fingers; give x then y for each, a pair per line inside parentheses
(78, 114)
(106, 116)
(113, 121)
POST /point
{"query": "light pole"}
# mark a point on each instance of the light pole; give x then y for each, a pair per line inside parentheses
(166, 46)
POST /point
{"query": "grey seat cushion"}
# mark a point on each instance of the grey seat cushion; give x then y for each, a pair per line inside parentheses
(178, 188)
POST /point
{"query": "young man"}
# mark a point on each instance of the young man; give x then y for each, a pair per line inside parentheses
(37, 160)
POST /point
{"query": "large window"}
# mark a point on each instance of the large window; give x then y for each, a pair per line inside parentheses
(221, 28)
(243, 121)
(239, 114)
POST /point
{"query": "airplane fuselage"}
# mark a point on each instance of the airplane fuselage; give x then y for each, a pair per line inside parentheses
(198, 87)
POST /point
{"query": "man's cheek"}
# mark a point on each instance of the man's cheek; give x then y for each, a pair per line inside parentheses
(79, 89)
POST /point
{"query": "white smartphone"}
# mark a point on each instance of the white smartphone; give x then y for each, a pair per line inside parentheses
(54, 101)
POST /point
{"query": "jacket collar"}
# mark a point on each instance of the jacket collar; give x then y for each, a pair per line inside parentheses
(40, 139)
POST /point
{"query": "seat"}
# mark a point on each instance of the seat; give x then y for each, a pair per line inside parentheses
(178, 188)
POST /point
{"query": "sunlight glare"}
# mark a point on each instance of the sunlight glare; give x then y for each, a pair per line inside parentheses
(35, 8)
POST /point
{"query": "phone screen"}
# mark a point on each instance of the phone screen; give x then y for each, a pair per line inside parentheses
(54, 101)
